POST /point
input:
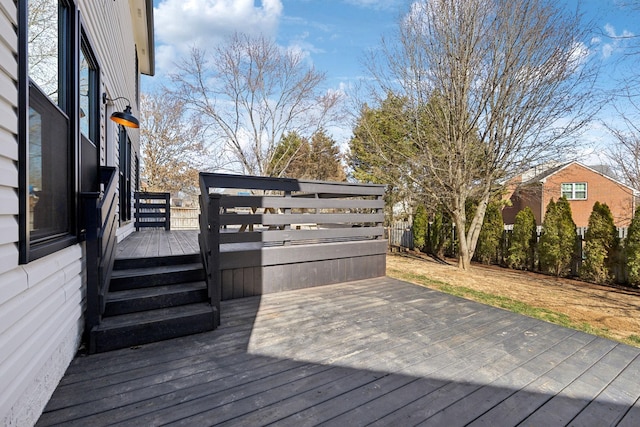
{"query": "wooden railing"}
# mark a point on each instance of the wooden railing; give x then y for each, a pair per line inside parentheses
(101, 222)
(209, 240)
(152, 210)
(275, 234)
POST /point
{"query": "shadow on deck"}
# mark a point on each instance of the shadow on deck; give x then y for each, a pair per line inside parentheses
(377, 351)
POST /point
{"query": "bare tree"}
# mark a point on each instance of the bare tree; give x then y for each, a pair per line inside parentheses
(43, 45)
(172, 143)
(253, 92)
(494, 86)
(624, 153)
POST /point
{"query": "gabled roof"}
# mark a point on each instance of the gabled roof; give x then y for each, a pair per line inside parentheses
(540, 173)
(547, 172)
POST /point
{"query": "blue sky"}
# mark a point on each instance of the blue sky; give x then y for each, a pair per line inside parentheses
(335, 34)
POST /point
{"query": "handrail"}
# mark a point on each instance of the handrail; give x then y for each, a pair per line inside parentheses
(209, 240)
(100, 220)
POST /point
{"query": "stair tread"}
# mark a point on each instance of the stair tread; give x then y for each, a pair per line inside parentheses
(144, 271)
(155, 291)
(151, 316)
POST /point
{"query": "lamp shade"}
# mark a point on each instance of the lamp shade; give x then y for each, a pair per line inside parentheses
(125, 118)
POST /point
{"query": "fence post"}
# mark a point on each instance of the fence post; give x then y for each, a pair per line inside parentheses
(214, 279)
(137, 206)
(167, 211)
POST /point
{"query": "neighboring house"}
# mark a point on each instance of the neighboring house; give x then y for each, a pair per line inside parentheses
(580, 184)
(64, 64)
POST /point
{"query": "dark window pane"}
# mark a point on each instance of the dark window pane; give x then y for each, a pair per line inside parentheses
(49, 168)
(85, 107)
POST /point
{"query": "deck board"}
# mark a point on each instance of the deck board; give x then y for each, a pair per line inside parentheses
(155, 242)
(378, 351)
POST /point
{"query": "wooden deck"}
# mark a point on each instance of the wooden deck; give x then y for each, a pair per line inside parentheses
(379, 352)
(158, 242)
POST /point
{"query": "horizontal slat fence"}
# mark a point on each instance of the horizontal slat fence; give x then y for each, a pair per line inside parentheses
(152, 210)
(281, 234)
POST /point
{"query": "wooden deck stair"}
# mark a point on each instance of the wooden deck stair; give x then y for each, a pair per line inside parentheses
(152, 299)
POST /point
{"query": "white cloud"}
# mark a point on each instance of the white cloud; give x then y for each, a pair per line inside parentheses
(182, 24)
(616, 41)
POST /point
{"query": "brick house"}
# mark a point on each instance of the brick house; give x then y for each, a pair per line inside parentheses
(580, 184)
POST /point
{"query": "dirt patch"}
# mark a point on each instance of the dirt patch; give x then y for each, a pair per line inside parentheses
(616, 310)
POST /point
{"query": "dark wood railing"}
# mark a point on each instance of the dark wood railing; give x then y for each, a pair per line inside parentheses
(209, 240)
(275, 234)
(101, 222)
(152, 210)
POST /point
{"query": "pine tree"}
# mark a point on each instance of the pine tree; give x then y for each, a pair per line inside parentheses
(600, 245)
(419, 228)
(523, 240)
(632, 250)
(490, 238)
(298, 157)
(557, 243)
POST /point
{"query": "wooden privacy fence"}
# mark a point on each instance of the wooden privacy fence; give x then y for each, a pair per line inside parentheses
(152, 210)
(288, 234)
(400, 235)
(183, 218)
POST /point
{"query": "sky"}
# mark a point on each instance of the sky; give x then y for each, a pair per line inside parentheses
(336, 34)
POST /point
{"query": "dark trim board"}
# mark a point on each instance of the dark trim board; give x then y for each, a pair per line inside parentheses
(247, 255)
(372, 352)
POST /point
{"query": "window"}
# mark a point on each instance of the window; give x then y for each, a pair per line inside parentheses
(89, 93)
(575, 191)
(125, 176)
(89, 116)
(47, 119)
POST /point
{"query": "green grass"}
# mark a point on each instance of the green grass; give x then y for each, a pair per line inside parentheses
(509, 304)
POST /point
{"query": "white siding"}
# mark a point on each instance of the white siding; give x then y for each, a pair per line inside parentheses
(42, 303)
(109, 27)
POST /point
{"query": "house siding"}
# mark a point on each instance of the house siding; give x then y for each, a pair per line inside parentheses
(42, 303)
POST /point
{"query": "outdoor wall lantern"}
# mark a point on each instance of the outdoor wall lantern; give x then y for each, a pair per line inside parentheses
(124, 118)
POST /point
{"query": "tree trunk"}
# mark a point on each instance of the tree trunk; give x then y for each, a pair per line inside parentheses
(464, 258)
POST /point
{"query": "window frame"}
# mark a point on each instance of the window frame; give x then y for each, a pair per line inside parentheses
(68, 104)
(89, 145)
(124, 168)
(574, 191)
(88, 51)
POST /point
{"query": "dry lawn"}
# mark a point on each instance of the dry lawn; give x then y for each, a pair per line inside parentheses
(613, 312)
